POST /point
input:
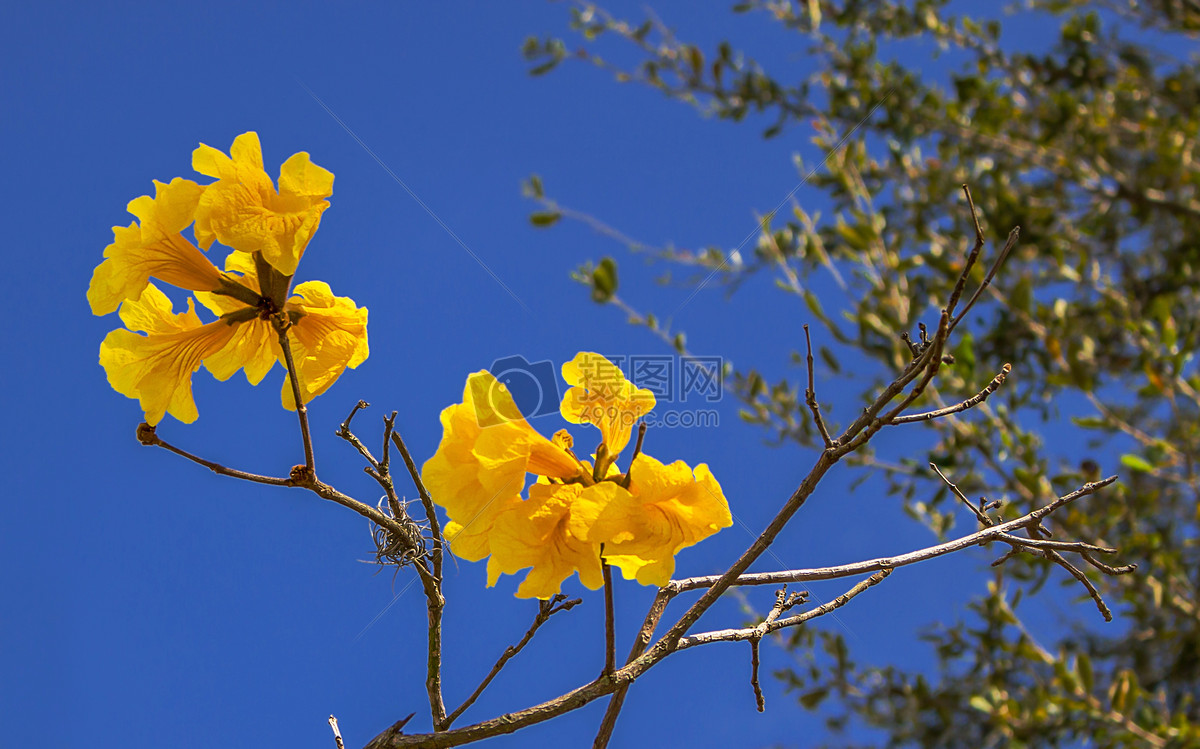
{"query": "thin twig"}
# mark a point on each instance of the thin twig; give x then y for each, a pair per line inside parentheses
(147, 435)
(759, 701)
(979, 538)
(972, 256)
(980, 515)
(1075, 546)
(640, 643)
(610, 635)
(435, 527)
(637, 450)
(1075, 572)
(971, 402)
(753, 633)
(337, 735)
(435, 602)
(345, 433)
(282, 324)
(546, 609)
(810, 395)
(987, 280)
(1123, 569)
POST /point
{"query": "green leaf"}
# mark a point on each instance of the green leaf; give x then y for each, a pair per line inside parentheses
(1083, 665)
(542, 219)
(980, 703)
(812, 699)
(604, 281)
(1137, 463)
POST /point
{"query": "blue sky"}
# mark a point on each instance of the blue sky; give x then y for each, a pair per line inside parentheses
(150, 603)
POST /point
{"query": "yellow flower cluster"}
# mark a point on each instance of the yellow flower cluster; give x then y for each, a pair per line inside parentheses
(154, 356)
(575, 511)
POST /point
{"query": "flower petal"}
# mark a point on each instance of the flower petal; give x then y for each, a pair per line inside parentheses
(600, 395)
(250, 349)
(670, 508)
(330, 336)
(537, 534)
(157, 368)
(478, 469)
(153, 248)
(243, 210)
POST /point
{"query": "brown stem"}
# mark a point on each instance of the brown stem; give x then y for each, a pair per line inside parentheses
(640, 643)
(337, 734)
(971, 402)
(147, 435)
(281, 327)
(759, 702)
(546, 609)
(610, 636)
(810, 395)
(435, 528)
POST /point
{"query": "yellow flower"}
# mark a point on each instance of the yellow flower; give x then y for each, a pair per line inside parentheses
(601, 396)
(479, 471)
(667, 508)
(548, 532)
(157, 368)
(326, 333)
(154, 248)
(573, 511)
(243, 210)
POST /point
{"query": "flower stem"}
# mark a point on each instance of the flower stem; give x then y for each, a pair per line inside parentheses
(281, 327)
(610, 638)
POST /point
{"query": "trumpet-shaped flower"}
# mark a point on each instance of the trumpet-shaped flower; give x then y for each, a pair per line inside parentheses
(576, 516)
(153, 359)
(154, 247)
(243, 210)
(667, 508)
(478, 471)
(549, 533)
(601, 396)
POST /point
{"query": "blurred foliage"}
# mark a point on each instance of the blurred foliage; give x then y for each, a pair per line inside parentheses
(1089, 145)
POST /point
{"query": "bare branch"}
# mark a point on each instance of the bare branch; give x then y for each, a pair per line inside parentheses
(759, 701)
(638, 665)
(337, 734)
(546, 609)
(640, 643)
(756, 633)
(426, 501)
(972, 256)
(971, 402)
(345, 433)
(810, 395)
(1008, 246)
(980, 515)
(979, 538)
(148, 436)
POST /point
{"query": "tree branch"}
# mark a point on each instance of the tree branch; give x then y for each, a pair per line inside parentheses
(810, 395)
(546, 609)
(971, 402)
